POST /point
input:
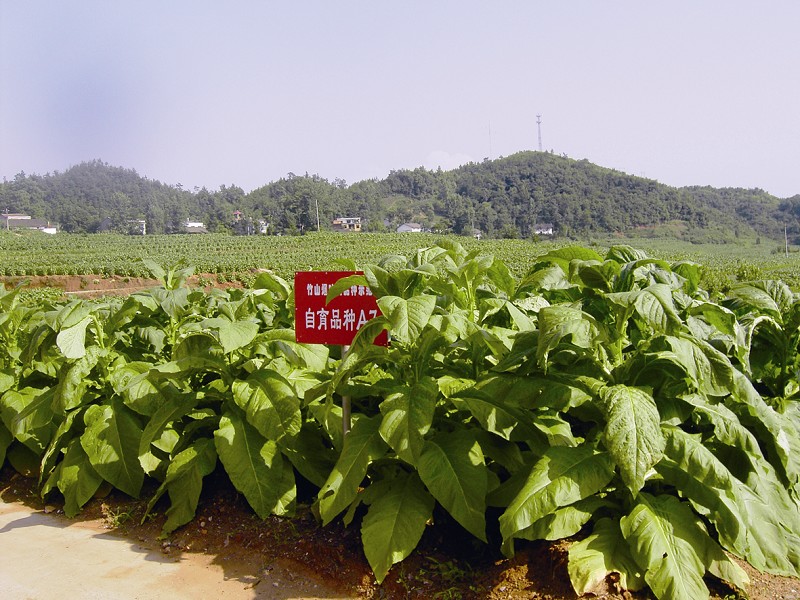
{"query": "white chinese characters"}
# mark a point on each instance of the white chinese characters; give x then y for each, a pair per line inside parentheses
(337, 320)
(321, 289)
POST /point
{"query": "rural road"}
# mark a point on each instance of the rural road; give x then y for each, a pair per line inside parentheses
(44, 556)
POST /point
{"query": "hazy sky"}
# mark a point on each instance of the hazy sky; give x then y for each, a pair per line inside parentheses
(206, 93)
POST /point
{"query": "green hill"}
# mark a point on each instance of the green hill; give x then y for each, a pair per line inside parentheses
(507, 197)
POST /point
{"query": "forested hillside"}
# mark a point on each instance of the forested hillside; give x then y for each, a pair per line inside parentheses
(507, 197)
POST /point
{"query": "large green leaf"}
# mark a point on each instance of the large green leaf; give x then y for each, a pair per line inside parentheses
(111, 442)
(28, 415)
(68, 315)
(663, 534)
(270, 403)
(236, 334)
(761, 526)
(199, 352)
(7, 380)
(5, 441)
(173, 302)
(309, 455)
(74, 380)
(561, 477)
(407, 417)
(564, 324)
(184, 482)
(255, 465)
(395, 522)
(282, 341)
(594, 274)
(632, 433)
(564, 256)
(603, 552)
(728, 428)
(171, 410)
(564, 522)
(545, 279)
(76, 478)
(767, 297)
(277, 285)
(709, 370)
(779, 433)
(510, 423)
(140, 392)
(722, 319)
(452, 468)
(362, 445)
(72, 340)
(407, 318)
(64, 434)
(655, 306)
(623, 253)
(691, 272)
(344, 283)
(642, 272)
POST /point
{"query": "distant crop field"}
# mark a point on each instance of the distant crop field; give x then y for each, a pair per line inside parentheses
(237, 257)
(65, 254)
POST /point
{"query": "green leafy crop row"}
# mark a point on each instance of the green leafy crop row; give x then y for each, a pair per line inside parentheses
(599, 396)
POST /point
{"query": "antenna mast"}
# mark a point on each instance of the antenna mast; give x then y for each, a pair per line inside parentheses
(539, 126)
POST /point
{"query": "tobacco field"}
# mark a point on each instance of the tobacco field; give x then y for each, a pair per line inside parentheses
(602, 396)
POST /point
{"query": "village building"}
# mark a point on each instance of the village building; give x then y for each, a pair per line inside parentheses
(346, 224)
(9, 221)
(410, 228)
(194, 226)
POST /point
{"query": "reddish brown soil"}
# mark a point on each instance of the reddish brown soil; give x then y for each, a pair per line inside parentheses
(92, 286)
(447, 564)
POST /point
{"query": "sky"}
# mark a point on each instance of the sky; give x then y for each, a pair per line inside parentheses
(204, 93)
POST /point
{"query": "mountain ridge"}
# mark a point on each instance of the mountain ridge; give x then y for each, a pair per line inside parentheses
(506, 197)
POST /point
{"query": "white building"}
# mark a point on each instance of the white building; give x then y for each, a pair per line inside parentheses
(10, 221)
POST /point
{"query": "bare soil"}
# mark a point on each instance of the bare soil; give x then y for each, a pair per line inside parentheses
(299, 554)
(288, 554)
(93, 286)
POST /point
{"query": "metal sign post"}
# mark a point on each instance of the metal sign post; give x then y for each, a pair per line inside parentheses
(345, 401)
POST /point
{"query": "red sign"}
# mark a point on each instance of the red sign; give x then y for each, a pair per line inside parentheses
(316, 322)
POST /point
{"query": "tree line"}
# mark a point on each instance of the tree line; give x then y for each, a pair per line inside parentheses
(506, 197)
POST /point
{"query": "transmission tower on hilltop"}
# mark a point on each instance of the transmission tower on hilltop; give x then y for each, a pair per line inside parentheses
(539, 126)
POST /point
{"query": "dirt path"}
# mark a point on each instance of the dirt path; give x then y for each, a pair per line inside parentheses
(46, 556)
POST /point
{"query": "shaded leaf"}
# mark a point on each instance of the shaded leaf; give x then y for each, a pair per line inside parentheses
(407, 417)
(603, 552)
(111, 442)
(663, 533)
(394, 524)
(254, 464)
(184, 482)
(270, 403)
(452, 468)
(76, 479)
(362, 445)
(561, 477)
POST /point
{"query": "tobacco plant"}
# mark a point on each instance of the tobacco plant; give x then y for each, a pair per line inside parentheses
(600, 395)
(606, 399)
